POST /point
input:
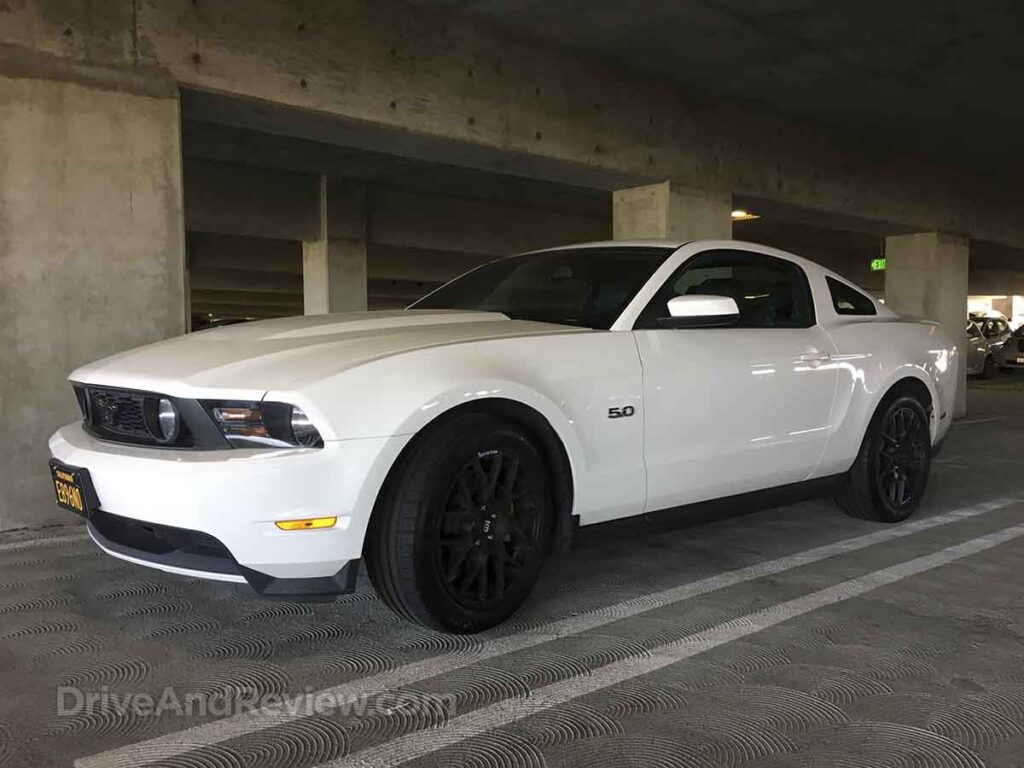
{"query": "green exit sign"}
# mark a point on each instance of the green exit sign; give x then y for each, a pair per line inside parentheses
(878, 265)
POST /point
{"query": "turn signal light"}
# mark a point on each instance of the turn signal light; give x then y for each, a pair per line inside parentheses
(307, 524)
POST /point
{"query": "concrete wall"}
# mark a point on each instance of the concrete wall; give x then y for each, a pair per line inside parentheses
(91, 256)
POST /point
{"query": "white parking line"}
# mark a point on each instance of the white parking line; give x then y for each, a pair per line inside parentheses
(250, 722)
(979, 420)
(420, 743)
(29, 543)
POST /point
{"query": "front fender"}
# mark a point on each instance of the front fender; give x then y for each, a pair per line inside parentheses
(570, 380)
(499, 389)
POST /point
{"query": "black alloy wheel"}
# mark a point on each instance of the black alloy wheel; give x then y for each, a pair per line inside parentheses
(890, 474)
(490, 530)
(902, 457)
(464, 524)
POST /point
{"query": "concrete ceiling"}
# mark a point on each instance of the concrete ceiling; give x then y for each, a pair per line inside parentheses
(941, 78)
(233, 144)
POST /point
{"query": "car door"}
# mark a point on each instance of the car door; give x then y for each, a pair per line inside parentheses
(738, 408)
(977, 350)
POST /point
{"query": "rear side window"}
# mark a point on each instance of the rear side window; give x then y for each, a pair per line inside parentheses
(849, 301)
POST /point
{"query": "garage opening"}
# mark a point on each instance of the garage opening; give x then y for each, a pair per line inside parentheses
(262, 206)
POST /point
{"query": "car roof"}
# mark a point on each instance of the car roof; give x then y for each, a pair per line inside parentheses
(672, 244)
(651, 242)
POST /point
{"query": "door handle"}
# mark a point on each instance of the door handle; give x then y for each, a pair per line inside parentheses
(815, 357)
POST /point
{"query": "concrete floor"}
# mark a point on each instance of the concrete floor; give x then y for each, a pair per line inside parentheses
(778, 638)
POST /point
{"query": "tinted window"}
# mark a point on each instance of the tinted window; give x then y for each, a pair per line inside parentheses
(973, 331)
(769, 292)
(849, 301)
(586, 287)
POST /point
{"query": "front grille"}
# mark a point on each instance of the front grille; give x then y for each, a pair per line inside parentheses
(120, 413)
(127, 416)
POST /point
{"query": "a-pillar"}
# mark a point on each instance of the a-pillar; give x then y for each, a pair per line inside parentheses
(334, 265)
(926, 276)
(670, 210)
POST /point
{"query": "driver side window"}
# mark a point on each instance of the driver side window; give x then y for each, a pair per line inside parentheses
(770, 292)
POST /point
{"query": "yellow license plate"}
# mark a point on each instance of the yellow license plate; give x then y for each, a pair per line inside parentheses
(72, 488)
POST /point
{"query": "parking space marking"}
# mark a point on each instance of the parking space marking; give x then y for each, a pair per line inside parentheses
(242, 724)
(16, 545)
(421, 743)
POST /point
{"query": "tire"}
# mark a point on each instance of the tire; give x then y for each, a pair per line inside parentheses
(463, 526)
(897, 445)
(990, 370)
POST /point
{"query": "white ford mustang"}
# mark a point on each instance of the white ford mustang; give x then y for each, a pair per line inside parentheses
(451, 445)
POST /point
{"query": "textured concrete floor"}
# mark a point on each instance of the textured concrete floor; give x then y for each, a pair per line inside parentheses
(777, 638)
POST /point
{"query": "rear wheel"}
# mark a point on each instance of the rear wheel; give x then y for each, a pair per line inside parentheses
(889, 477)
(463, 529)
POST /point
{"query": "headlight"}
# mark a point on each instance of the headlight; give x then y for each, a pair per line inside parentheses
(167, 420)
(262, 425)
(162, 420)
(303, 430)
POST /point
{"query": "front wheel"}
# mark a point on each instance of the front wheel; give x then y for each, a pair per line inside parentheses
(889, 477)
(462, 531)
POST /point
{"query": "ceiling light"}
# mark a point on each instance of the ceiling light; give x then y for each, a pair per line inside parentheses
(741, 215)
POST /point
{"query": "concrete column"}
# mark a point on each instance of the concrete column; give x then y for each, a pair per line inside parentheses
(671, 211)
(91, 254)
(926, 276)
(334, 265)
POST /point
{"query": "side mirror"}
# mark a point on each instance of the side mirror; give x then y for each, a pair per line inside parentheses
(700, 312)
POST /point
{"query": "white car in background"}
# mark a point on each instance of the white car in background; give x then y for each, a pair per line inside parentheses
(450, 445)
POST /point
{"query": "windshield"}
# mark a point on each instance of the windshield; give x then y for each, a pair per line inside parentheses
(587, 287)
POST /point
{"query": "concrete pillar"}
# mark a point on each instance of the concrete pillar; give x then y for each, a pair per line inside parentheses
(91, 253)
(334, 265)
(926, 276)
(669, 210)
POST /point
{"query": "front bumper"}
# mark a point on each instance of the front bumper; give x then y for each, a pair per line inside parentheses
(192, 553)
(190, 502)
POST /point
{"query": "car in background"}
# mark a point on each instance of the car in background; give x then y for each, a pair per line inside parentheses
(978, 360)
(1010, 356)
(994, 327)
(452, 445)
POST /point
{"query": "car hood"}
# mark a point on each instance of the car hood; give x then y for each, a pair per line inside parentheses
(247, 360)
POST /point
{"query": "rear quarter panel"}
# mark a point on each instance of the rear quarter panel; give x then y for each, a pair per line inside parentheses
(872, 355)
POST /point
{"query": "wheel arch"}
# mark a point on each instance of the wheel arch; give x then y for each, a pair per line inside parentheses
(908, 381)
(536, 425)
